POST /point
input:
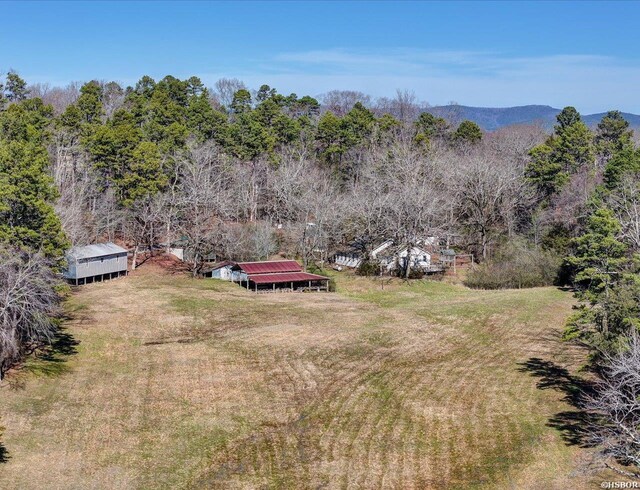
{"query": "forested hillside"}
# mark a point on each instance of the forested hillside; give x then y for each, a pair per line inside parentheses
(490, 119)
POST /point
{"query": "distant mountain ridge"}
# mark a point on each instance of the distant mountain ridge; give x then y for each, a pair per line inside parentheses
(490, 119)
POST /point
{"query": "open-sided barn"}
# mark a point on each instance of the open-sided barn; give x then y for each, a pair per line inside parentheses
(277, 275)
(95, 262)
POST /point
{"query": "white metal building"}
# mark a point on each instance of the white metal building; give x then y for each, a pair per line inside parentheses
(95, 262)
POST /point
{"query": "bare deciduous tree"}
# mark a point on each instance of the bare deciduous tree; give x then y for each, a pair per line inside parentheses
(303, 198)
(112, 98)
(145, 223)
(58, 97)
(417, 199)
(225, 88)
(29, 304)
(342, 101)
(404, 106)
(202, 200)
(625, 203)
(488, 191)
(615, 408)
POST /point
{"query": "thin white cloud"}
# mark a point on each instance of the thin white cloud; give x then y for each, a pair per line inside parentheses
(590, 82)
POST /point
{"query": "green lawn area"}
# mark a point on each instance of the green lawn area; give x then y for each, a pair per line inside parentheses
(162, 381)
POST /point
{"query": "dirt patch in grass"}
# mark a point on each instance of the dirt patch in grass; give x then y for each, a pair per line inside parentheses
(183, 383)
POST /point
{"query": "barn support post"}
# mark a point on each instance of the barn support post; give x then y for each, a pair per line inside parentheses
(255, 285)
(274, 287)
(291, 286)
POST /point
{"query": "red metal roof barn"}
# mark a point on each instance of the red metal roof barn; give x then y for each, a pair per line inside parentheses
(277, 275)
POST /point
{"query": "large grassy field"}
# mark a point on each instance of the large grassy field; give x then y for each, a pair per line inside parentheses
(162, 381)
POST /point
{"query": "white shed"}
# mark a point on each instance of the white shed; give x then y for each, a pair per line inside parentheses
(98, 261)
(220, 271)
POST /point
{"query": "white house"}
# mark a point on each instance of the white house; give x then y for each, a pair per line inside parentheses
(394, 258)
(381, 248)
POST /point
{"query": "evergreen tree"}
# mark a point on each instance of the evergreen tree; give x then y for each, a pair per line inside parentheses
(468, 132)
(241, 101)
(357, 125)
(568, 151)
(194, 87)
(203, 121)
(248, 138)
(265, 92)
(545, 171)
(430, 127)
(144, 176)
(90, 103)
(567, 117)
(612, 136)
(604, 282)
(111, 147)
(573, 147)
(16, 88)
(305, 107)
(3, 99)
(339, 135)
(625, 161)
(28, 120)
(27, 218)
(328, 136)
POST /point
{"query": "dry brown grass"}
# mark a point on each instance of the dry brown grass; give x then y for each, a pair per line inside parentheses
(181, 383)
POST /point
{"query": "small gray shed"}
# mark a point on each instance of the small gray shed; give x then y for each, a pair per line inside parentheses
(95, 262)
(220, 271)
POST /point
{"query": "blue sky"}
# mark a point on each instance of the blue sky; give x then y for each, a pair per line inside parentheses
(494, 54)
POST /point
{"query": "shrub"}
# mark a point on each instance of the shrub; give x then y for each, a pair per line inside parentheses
(368, 268)
(516, 266)
(413, 273)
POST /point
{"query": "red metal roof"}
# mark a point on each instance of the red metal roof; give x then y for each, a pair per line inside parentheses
(273, 266)
(285, 277)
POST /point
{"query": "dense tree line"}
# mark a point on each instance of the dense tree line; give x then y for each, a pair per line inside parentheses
(588, 184)
(32, 239)
(216, 169)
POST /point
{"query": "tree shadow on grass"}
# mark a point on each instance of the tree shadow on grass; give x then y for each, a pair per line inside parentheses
(570, 423)
(51, 361)
(4, 454)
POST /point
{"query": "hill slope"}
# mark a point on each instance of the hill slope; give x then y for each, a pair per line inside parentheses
(182, 383)
(490, 119)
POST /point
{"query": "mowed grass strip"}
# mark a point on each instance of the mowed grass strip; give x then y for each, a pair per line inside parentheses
(181, 383)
